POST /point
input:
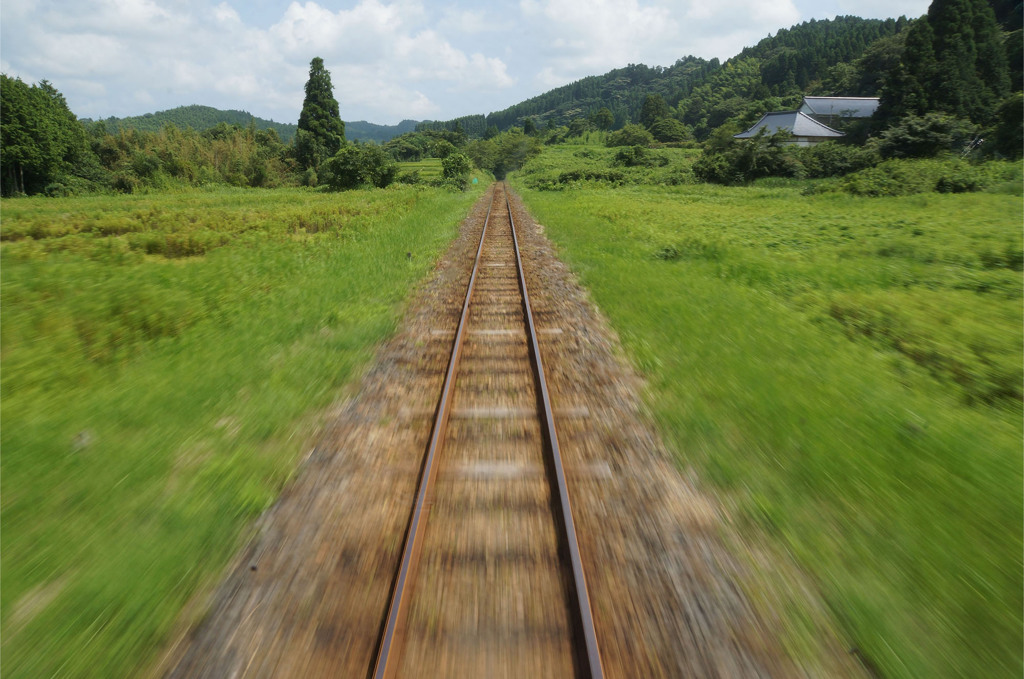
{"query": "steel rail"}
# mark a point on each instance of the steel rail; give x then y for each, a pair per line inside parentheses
(585, 621)
(387, 662)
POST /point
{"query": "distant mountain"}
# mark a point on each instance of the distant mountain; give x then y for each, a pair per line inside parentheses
(363, 131)
(204, 117)
(198, 118)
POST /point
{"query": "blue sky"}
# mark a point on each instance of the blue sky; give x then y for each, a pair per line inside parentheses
(388, 59)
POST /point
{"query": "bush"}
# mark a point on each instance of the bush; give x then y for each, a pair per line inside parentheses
(902, 177)
(455, 169)
(57, 190)
(744, 161)
(925, 136)
(831, 159)
(630, 135)
(125, 182)
(638, 156)
(670, 130)
(358, 164)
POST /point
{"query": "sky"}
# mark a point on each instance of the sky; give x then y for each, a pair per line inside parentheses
(389, 59)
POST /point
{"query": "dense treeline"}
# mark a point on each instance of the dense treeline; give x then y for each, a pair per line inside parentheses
(225, 154)
(803, 55)
(41, 139)
(199, 118)
(621, 91)
(954, 61)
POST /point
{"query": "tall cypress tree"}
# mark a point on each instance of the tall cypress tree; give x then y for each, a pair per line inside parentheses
(321, 132)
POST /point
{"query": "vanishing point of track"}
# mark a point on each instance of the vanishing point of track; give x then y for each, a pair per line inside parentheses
(491, 581)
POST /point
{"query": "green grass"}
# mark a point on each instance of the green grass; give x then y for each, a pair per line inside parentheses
(572, 166)
(847, 373)
(165, 360)
(428, 169)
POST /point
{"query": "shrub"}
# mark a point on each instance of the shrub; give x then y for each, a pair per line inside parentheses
(744, 161)
(670, 130)
(57, 190)
(125, 182)
(630, 135)
(831, 159)
(902, 177)
(358, 164)
(455, 169)
(925, 136)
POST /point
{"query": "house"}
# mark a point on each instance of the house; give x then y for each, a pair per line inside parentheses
(806, 130)
(835, 110)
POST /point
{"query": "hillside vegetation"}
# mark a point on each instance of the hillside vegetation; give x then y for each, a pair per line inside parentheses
(199, 118)
(776, 72)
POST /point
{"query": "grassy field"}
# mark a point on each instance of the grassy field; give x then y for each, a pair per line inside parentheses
(847, 373)
(428, 169)
(165, 362)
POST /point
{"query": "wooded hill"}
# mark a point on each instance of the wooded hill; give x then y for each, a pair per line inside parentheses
(846, 56)
(202, 118)
(785, 64)
(199, 118)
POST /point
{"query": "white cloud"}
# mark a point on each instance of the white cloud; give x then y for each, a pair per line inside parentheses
(600, 33)
(383, 56)
(464, 21)
(226, 14)
(580, 39)
(883, 8)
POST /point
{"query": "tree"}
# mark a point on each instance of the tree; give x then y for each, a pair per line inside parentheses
(630, 135)
(358, 164)
(653, 110)
(603, 119)
(321, 132)
(925, 136)
(41, 138)
(954, 62)
(577, 126)
(670, 130)
(1008, 135)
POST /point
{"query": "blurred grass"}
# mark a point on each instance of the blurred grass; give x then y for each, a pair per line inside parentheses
(156, 398)
(847, 372)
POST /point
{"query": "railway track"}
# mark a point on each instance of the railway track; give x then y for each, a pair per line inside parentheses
(490, 582)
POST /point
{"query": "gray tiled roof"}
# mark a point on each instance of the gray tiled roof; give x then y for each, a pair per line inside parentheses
(800, 124)
(845, 107)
